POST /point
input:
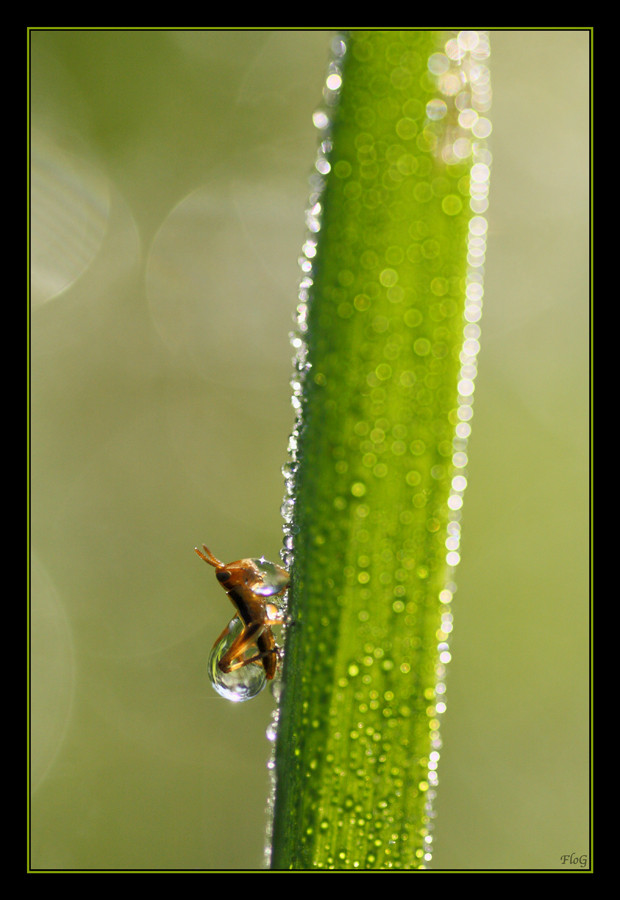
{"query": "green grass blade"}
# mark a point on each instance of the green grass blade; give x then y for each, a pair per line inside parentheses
(388, 342)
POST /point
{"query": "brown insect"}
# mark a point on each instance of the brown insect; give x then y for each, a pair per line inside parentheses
(248, 583)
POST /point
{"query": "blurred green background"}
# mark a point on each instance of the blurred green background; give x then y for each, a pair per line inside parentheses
(169, 182)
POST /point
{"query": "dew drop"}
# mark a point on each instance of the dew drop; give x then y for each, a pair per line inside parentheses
(273, 578)
(241, 684)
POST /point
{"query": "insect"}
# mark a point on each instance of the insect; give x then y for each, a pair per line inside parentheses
(245, 654)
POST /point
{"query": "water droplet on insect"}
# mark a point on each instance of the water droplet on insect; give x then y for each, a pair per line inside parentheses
(273, 578)
(241, 684)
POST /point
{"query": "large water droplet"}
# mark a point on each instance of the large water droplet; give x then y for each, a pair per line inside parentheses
(241, 684)
(273, 578)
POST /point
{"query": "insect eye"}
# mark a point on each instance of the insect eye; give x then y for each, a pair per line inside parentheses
(222, 576)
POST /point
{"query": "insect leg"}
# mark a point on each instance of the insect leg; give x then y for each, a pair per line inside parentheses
(234, 657)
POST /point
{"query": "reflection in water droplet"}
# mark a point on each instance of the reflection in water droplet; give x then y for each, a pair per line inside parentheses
(241, 684)
(274, 578)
